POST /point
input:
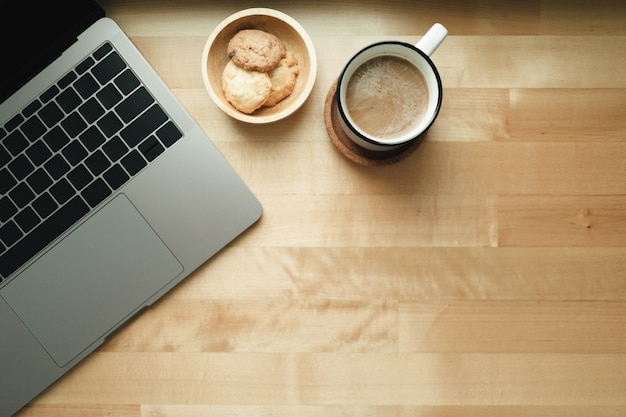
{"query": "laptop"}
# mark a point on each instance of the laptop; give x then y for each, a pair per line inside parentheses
(110, 193)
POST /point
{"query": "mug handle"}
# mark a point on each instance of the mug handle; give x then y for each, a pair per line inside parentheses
(432, 39)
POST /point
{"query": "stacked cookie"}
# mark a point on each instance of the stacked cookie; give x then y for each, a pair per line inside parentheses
(260, 72)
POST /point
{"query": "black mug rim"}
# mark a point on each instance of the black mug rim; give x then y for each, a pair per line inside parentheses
(342, 112)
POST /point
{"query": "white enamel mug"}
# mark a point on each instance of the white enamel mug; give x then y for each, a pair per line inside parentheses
(419, 56)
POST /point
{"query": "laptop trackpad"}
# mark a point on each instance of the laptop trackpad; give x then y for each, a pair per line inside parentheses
(92, 281)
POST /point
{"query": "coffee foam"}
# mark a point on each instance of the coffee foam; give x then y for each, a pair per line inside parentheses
(387, 97)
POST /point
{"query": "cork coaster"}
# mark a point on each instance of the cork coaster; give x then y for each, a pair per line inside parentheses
(353, 151)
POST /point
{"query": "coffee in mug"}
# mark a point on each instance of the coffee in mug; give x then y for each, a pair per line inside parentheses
(390, 92)
(387, 97)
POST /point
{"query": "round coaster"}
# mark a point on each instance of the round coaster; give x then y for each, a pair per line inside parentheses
(350, 149)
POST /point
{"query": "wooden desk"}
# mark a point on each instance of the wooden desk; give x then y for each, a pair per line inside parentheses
(485, 275)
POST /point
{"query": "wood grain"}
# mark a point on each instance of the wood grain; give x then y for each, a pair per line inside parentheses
(485, 275)
(259, 378)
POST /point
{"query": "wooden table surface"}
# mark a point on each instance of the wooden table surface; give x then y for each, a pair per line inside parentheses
(484, 275)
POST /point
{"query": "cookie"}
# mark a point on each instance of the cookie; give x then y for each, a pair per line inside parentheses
(256, 50)
(245, 90)
(283, 79)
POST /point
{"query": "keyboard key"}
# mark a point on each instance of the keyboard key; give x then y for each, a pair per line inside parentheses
(31, 108)
(14, 122)
(86, 85)
(51, 114)
(109, 96)
(115, 149)
(79, 177)
(68, 100)
(144, 125)
(57, 167)
(42, 235)
(62, 191)
(39, 181)
(91, 110)
(133, 162)
(74, 153)
(66, 80)
(151, 148)
(38, 152)
(33, 128)
(134, 104)
(5, 157)
(169, 134)
(27, 219)
(74, 124)
(16, 142)
(85, 65)
(49, 94)
(96, 192)
(110, 124)
(56, 139)
(92, 138)
(102, 51)
(127, 82)
(108, 68)
(10, 233)
(7, 181)
(44, 205)
(21, 167)
(115, 176)
(21, 195)
(7, 209)
(97, 163)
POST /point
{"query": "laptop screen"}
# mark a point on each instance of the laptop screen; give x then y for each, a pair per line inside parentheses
(34, 32)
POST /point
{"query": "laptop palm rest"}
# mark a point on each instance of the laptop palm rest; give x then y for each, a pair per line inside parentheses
(75, 311)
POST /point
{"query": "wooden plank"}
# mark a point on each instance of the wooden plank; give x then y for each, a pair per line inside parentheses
(407, 379)
(514, 327)
(583, 221)
(398, 17)
(408, 274)
(525, 62)
(378, 326)
(568, 115)
(87, 410)
(473, 115)
(265, 325)
(604, 17)
(380, 221)
(485, 17)
(219, 410)
(377, 411)
(436, 168)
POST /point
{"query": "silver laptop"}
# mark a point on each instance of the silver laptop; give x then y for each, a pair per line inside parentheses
(110, 193)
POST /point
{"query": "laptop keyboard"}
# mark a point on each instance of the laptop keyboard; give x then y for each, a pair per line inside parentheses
(71, 148)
